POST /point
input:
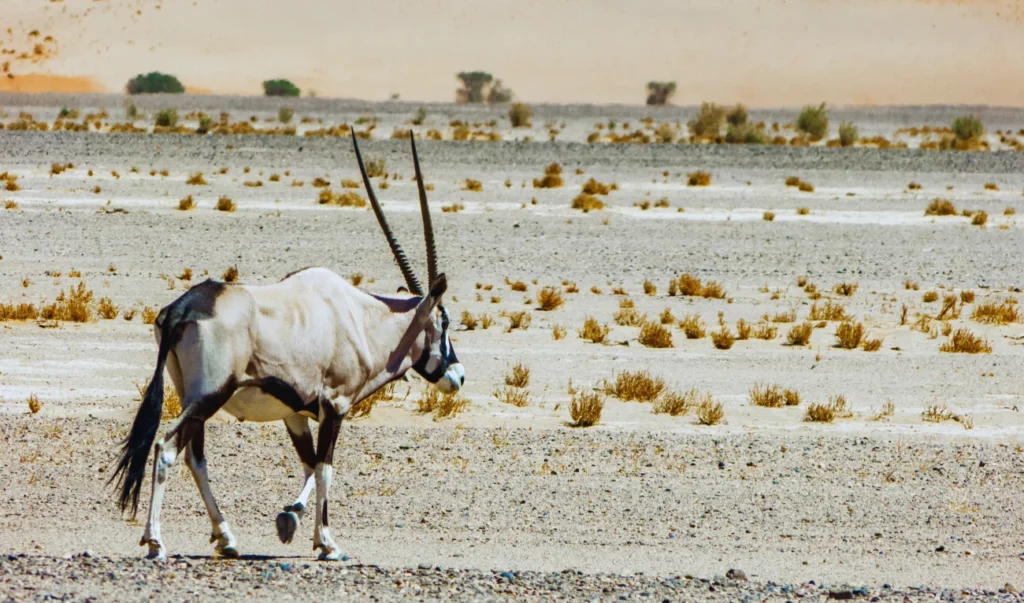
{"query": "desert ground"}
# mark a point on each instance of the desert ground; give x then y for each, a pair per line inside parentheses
(501, 501)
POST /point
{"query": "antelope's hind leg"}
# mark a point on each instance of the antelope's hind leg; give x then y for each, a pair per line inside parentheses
(331, 414)
(288, 520)
(226, 545)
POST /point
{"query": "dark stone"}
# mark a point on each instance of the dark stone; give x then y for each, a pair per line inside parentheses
(735, 574)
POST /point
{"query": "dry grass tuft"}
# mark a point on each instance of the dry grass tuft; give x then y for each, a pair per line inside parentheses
(991, 186)
(698, 178)
(654, 335)
(827, 311)
(549, 298)
(692, 326)
(849, 335)
(558, 332)
(709, 412)
(689, 285)
(552, 177)
(667, 317)
(723, 338)
(967, 296)
(820, 413)
(196, 179)
(587, 202)
(519, 377)
(940, 207)
(845, 289)
(593, 331)
(516, 397)
(586, 408)
(469, 321)
(74, 305)
(364, 407)
(930, 296)
(872, 345)
(441, 405)
(743, 330)
(454, 208)
(963, 341)
(518, 320)
(637, 386)
(713, 290)
(676, 403)
(650, 288)
(230, 275)
(768, 216)
(771, 396)
(187, 204)
(34, 405)
(979, 219)
(1002, 313)
(800, 335)
(473, 185)
(805, 187)
(224, 203)
(593, 187)
(106, 309)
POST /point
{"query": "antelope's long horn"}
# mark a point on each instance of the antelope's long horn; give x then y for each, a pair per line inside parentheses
(428, 227)
(396, 249)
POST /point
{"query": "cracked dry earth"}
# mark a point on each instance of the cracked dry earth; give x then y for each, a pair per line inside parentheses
(503, 502)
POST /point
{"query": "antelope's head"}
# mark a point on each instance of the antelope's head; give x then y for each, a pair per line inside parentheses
(437, 363)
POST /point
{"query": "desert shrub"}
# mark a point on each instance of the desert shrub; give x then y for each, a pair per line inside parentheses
(34, 405)
(848, 134)
(723, 338)
(73, 305)
(666, 317)
(765, 331)
(692, 326)
(1001, 313)
(968, 127)
(930, 296)
(595, 187)
(659, 93)
(654, 335)
(585, 409)
(689, 285)
(518, 320)
(285, 114)
(768, 216)
(519, 377)
(872, 345)
(196, 179)
(820, 413)
(281, 87)
(549, 298)
(106, 309)
(154, 83)
(829, 310)
(737, 116)
(519, 115)
(468, 320)
(473, 185)
(849, 335)
(558, 332)
(813, 121)
(800, 334)
(772, 396)
(709, 412)
(698, 178)
(510, 395)
(845, 289)
(225, 204)
(708, 121)
(18, 312)
(377, 167)
(940, 207)
(676, 403)
(962, 341)
(167, 118)
(745, 134)
(639, 386)
(586, 202)
(593, 330)
(979, 219)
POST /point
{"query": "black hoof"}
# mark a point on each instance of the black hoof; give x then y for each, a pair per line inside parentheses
(287, 525)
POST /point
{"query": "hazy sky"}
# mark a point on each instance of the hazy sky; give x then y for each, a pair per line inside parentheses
(771, 53)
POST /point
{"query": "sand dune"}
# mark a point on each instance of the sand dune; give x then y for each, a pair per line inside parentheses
(779, 53)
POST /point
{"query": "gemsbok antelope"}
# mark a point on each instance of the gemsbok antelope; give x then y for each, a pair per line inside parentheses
(307, 347)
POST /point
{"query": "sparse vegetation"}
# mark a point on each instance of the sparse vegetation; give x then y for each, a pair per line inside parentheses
(692, 326)
(154, 83)
(187, 204)
(813, 121)
(968, 128)
(979, 219)
(849, 335)
(654, 335)
(167, 118)
(698, 178)
(593, 331)
(510, 395)
(587, 202)
(549, 298)
(473, 185)
(962, 341)
(225, 204)
(708, 121)
(723, 338)
(768, 216)
(709, 412)
(586, 408)
(635, 386)
(34, 405)
(940, 207)
(519, 115)
(73, 305)
(519, 376)
(280, 87)
(800, 335)
(845, 289)
(676, 403)
(196, 179)
(230, 275)
(1001, 313)
(847, 134)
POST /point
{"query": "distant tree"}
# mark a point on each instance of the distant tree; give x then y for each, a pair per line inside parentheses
(154, 82)
(474, 85)
(499, 94)
(737, 116)
(280, 88)
(659, 93)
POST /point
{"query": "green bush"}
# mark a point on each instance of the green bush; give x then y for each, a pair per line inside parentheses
(519, 114)
(205, 123)
(285, 114)
(813, 121)
(847, 134)
(968, 127)
(280, 88)
(154, 82)
(737, 116)
(745, 134)
(659, 93)
(167, 118)
(420, 117)
(708, 121)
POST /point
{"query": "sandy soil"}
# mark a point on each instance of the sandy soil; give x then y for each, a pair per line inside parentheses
(860, 502)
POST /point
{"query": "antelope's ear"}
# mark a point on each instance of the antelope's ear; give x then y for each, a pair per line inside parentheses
(438, 287)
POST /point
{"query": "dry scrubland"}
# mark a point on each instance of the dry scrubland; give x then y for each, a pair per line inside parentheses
(799, 362)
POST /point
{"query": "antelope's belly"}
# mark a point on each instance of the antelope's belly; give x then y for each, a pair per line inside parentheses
(253, 404)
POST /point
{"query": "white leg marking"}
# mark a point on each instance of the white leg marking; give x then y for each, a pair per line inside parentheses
(163, 458)
(322, 540)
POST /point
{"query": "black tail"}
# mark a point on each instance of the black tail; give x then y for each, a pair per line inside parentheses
(131, 466)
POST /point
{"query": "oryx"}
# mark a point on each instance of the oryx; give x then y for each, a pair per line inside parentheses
(309, 346)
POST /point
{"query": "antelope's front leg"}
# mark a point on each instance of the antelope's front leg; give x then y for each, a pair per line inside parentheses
(332, 412)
